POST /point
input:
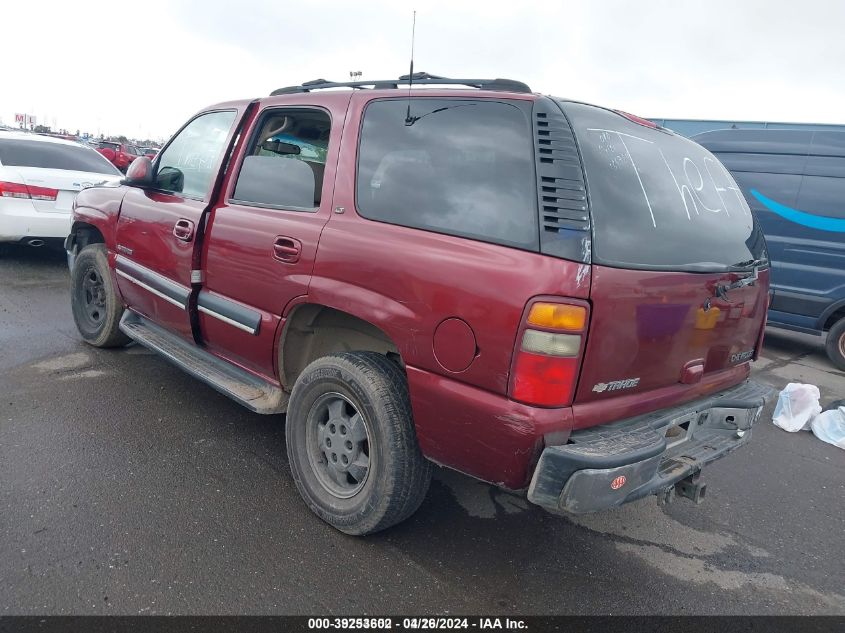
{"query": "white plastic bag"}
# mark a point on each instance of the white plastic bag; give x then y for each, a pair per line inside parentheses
(797, 405)
(830, 427)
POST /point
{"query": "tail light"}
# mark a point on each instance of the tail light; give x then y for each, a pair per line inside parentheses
(549, 348)
(19, 190)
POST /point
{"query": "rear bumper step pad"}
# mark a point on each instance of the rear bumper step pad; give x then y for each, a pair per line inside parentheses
(608, 465)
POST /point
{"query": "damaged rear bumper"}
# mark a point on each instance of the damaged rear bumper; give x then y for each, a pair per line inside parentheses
(605, 466)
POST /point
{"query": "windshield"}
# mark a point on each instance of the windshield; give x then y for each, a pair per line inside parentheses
(24, 153)
(660, 201)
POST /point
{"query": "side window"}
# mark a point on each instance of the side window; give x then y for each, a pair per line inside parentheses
(285, 160)
(455, 166)
(187, 165)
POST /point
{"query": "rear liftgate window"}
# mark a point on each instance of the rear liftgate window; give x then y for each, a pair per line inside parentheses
(658, 200)
(454, 166)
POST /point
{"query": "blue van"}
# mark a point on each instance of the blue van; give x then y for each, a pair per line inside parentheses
(794, 180)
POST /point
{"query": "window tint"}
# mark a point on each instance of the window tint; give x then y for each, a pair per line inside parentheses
(659, 200)
(188, 164)
(23, 153)
(107, 145)
(286, 159)
(460, 167)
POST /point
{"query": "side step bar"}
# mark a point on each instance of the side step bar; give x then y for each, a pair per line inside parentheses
(252, 392)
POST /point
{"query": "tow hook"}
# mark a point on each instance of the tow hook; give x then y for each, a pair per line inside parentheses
(691, 488)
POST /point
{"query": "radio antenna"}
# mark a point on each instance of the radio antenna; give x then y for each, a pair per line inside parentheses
(409, 120)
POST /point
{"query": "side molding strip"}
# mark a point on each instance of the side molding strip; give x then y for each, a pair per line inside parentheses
(152, 281)
(229, 312)
(231, 322)
(140, 283)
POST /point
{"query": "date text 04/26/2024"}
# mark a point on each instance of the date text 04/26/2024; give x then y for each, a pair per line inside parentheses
(416, 623)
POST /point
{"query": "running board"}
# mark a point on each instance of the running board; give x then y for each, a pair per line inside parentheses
(252, 392)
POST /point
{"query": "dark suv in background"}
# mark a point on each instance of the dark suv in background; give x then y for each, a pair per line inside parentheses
(547, 295)
(794, 181)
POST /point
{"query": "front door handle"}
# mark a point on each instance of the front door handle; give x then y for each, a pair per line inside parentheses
(183, 230)
(287, 249)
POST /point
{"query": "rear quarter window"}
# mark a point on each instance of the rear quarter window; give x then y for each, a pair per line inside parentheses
(461, 167)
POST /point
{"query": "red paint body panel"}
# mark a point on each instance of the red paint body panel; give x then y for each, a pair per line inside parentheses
(440, 277)
(99, 207)
(145, 228)
(145, 236)
(407, 282)
(238, 260)
(628, 405)
(482, 434)
(651, 325)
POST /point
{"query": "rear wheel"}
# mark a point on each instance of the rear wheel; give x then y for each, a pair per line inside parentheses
(96, 307)
(351, 443)
(835, 345)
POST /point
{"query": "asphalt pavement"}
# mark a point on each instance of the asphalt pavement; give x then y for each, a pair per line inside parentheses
(127, 487)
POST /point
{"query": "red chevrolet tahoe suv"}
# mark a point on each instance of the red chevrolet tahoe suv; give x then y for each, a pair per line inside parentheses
(547, 295)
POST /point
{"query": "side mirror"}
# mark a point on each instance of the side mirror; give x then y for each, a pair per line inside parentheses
(139, 173)
(169, 179)
(280, 147)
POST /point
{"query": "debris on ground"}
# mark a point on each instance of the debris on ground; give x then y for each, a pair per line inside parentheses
(798, 409)
(829, 426)
(797, 405)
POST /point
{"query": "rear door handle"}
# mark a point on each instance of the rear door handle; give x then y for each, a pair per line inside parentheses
(183, 230)
(287, 249)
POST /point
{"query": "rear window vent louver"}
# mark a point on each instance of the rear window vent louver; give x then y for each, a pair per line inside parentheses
(561, 188)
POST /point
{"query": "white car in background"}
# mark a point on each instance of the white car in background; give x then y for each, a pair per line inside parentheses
(39, 179)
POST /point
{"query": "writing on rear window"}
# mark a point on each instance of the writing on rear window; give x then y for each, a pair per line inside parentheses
(659, 200)
(703, 183)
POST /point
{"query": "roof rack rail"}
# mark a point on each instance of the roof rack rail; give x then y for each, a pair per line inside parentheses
(423, 78)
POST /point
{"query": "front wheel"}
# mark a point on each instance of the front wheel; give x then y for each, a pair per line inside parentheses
(96, 307)
(351, 443)
(835, 345)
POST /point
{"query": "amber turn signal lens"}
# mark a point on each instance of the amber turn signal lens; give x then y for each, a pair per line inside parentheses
(558, 316)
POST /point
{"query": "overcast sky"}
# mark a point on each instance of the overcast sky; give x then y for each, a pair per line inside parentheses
(142, 68)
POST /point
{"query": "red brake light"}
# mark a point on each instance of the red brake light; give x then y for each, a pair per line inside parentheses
(20, 190)
(42, 193)
(544, 380)
(13, 190)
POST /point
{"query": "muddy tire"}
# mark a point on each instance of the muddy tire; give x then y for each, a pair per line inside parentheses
(96, 306)
(352, 445)
(835, 345)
